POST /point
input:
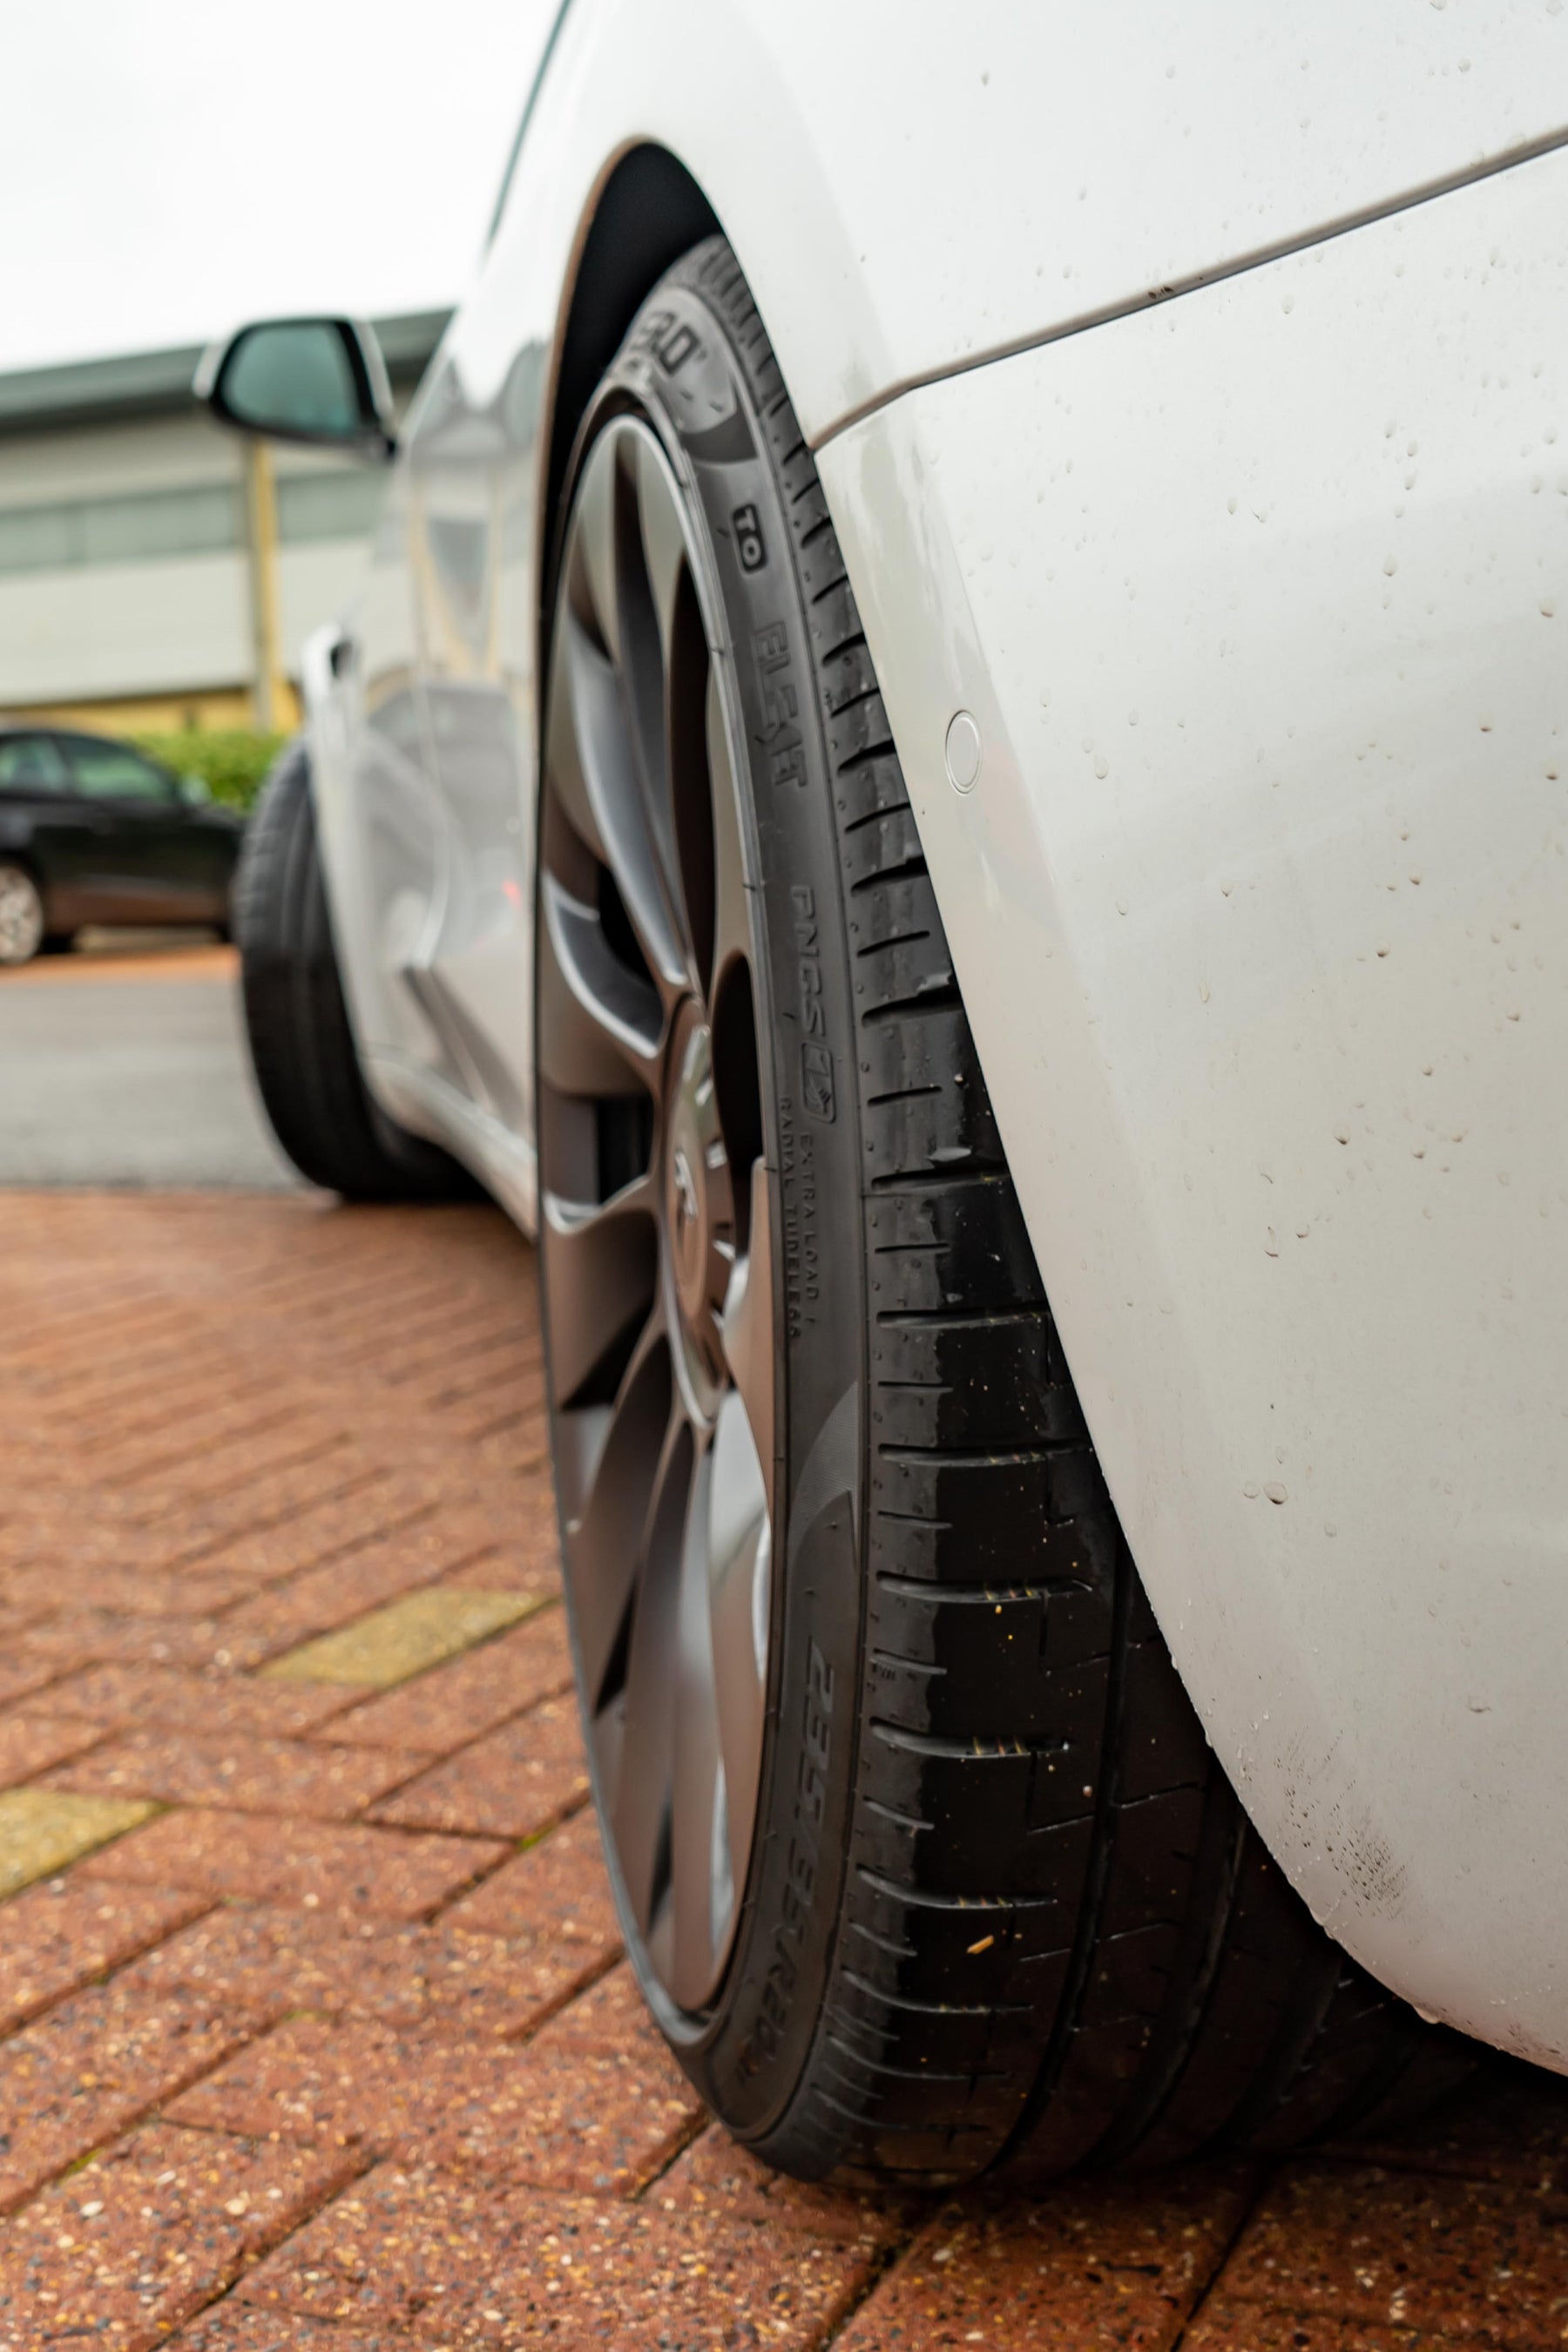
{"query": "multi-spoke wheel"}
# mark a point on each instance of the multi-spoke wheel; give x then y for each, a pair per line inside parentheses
(657, 1207)
(21, 915)
(923, 1858)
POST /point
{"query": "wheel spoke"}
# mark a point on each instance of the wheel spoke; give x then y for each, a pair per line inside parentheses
(621, 1454)
(697, 1758)
(641, 1809)
(601, 1267)
(600, 1024)
(746, 1328)
(591, 560)
(663, 540)
(653, 597)
(596, 778)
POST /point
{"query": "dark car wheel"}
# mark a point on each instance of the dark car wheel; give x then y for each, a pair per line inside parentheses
(302, 1047)
(21, 914)
(923, 1861)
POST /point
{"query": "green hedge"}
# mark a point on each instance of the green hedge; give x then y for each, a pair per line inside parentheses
(232, 762)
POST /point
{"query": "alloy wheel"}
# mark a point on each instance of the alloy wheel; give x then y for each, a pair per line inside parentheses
(21, 916)
(655, 1215)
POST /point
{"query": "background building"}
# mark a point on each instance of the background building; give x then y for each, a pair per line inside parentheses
(154, 571)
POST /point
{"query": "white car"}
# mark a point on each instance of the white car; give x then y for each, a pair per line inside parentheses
(951, 778)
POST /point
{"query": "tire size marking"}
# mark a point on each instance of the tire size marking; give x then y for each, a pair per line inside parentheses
(671, 341)
(778, 736)
(816, 1060)
(802, 1252)
(808, 960)
(746, 524)
(800, 1871)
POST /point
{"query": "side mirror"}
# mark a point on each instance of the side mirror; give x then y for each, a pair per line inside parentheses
(194, 791)
(320, 381)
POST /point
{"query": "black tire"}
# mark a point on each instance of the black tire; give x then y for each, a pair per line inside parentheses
(1003, 1909)
(302, 1047)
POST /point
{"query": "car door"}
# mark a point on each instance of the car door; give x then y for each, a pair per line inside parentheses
(153, 864)
(468, 452)
(44, 820)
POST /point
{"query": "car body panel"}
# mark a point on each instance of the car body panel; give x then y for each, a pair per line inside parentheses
(1260, 908)
(1260, 925)
(909, 191)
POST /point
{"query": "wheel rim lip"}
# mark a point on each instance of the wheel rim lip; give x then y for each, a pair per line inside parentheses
(684, 2018)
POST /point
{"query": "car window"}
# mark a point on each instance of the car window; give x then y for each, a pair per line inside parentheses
(113, 772)
(32, 764)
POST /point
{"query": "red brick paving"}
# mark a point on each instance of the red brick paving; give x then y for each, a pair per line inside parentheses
(346, 1868)
(32, 1743)
(112, 1696)
(149, 2233)
(334, 2054)
(512, 1783)
(556, 1889)
(458, 1982)
(83, 2071)
(597, 2108)
(454, 2261)
(57, 1937)
(241, 1768)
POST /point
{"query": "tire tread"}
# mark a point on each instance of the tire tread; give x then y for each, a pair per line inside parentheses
(1061, 1941)
(302, 1046)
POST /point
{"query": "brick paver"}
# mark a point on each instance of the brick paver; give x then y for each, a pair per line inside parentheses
(315, 2033)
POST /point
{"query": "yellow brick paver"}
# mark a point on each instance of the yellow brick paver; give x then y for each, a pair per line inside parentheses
(43, 1829)
(391, 1644)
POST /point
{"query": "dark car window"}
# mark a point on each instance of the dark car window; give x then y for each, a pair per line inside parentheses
(31, 763)
(113, 772)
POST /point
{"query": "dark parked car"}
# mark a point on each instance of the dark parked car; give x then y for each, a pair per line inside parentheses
(93, 832)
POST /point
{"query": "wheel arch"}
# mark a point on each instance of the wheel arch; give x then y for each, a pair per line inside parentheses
(646, 211)
(20, 852)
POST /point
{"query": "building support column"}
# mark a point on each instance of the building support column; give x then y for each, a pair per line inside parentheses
(271, 696)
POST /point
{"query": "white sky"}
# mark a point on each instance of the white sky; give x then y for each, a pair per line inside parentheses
(169, 167)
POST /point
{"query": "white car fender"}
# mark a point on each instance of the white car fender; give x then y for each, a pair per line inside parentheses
(1260, 901)
(911, 189)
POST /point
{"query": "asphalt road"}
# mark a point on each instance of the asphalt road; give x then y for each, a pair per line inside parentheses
(124, 1064)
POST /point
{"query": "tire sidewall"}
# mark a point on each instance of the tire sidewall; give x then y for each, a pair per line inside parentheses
(680, 373)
